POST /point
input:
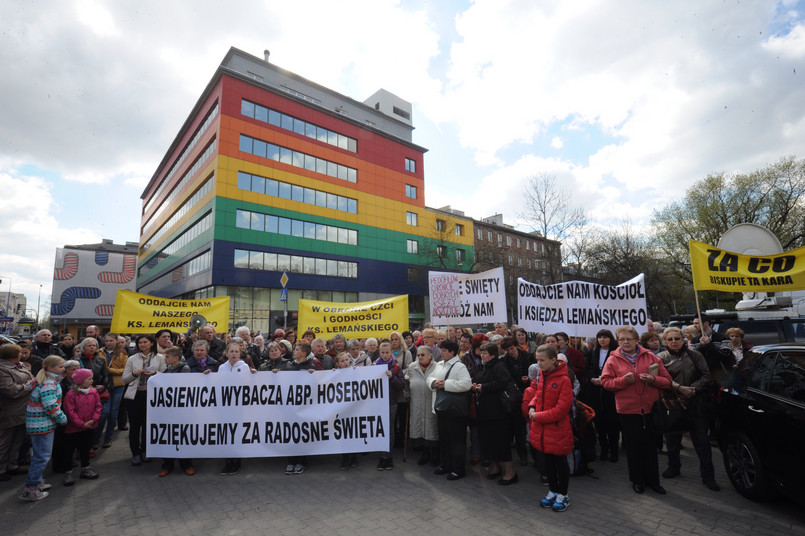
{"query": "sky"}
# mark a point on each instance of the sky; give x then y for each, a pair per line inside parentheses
(626, 103)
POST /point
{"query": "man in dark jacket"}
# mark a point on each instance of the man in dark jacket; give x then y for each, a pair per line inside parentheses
(217, 346)
(43, 345)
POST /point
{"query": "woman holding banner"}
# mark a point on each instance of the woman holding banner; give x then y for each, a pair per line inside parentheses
(138, 369)
(636, 376)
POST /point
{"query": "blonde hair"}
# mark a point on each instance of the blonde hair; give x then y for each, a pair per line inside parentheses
(627, 329)
(49, 362)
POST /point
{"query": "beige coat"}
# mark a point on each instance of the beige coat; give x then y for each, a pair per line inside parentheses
(422, 421)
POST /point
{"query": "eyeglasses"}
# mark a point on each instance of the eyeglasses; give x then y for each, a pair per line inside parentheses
(673, 338)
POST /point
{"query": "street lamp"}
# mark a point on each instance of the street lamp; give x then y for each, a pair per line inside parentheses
(38, 300)
(8, 296)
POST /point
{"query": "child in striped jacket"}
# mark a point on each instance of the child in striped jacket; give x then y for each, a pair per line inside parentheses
(41, 418)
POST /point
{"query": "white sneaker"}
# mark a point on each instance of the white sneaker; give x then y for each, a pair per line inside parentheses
(289, 469)
(298, 469)
(31, 493)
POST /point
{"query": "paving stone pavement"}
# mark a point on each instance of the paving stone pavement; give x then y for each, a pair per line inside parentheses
(410, 499)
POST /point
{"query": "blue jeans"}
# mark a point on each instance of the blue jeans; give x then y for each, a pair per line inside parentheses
(111, 421)
(98, 430)
(43, 447)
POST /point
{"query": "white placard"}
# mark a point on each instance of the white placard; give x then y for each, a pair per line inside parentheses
(581, 309)
(242, 415)
(459, 299)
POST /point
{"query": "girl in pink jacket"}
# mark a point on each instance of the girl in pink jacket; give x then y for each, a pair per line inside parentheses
(82, 405)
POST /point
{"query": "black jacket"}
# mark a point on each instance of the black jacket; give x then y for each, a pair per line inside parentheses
(100, 371)
(494, 377)
(194, 365)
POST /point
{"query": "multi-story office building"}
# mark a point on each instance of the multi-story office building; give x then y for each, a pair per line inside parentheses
(273, 173)
(528, 255)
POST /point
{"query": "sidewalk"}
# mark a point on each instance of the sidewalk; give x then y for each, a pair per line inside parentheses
(410, 499)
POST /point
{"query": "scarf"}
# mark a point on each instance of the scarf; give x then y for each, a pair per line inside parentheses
(631, 358)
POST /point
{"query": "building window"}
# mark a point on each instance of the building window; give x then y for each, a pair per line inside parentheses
(508, 241)
(410, 218)
(257, 221)
(460, 255)
(459, 230)
(410, 165)
(527, 245)
(184, 209)
(413, 246)
(188, 269)
(176, 189)
(174, 247)
(489, 236)
(410, 191)
(441, 251)
(413, 274)
(518, 242)
(440, 225)
(528, 261)
(519, 261)
(287, 122)
(284, 190)
(511, 260)
(295, 158)
(500, 240)
(277, 262)
(157, 197)
(401, 113)
(480, 234)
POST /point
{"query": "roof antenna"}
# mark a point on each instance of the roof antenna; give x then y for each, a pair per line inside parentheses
(266, 53)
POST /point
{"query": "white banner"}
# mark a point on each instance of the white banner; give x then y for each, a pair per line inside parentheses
(580, 308)
(230, 415)
(459, 299)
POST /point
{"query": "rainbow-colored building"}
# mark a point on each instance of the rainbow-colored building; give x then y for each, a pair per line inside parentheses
(273, 173)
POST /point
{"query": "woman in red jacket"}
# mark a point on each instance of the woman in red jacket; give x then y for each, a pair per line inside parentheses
(627, 372)
(551, 432)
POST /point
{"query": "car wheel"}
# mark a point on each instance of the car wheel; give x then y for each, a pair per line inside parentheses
(744, 467)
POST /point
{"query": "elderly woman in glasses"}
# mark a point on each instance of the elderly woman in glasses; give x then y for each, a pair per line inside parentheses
(636, 376)
(423, 425)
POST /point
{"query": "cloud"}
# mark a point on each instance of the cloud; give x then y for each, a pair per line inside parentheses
(29, 216)
(685, 92)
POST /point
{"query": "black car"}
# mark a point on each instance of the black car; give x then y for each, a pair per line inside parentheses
(762, 422)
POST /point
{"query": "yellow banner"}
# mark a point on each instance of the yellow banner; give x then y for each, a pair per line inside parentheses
(354, 320)
(141, 313)
(718, 269)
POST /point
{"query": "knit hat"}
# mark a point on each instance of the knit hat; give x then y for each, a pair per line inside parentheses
(287, 344)
(80, 375)
(279, 333)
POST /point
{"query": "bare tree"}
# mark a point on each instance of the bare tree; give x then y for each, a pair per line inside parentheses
(549, 211)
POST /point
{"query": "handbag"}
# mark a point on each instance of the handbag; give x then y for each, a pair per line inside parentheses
(671, 415)
(449, 404)
(511, 397)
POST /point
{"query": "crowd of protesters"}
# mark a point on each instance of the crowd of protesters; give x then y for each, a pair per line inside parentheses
(458, 397)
